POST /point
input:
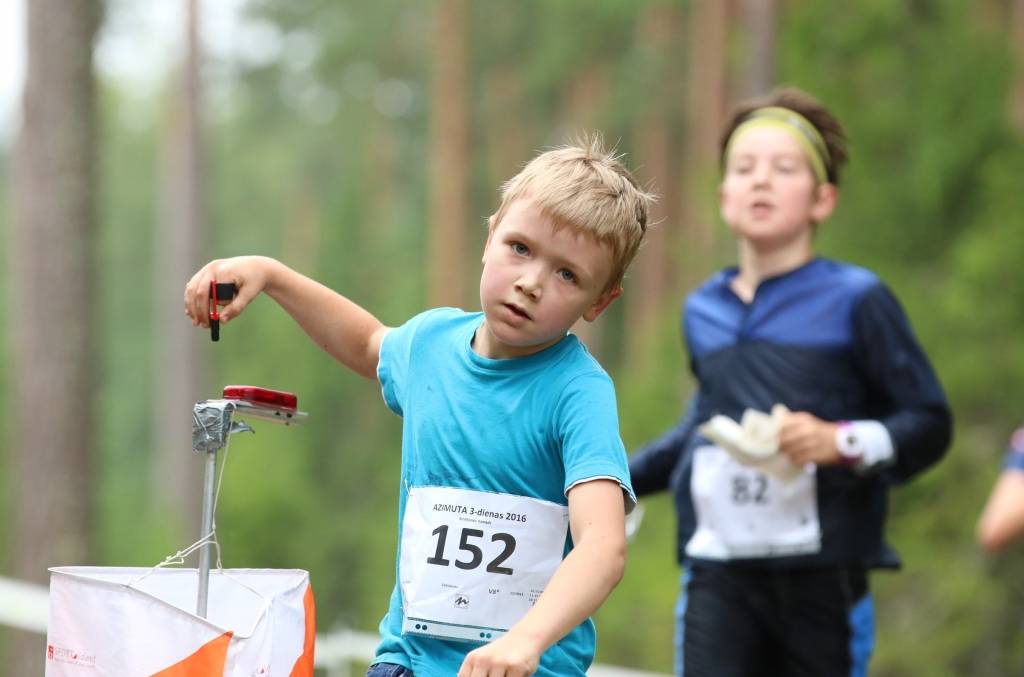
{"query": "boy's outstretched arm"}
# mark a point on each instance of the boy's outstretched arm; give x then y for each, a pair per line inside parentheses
(581, 583)
(345, 330)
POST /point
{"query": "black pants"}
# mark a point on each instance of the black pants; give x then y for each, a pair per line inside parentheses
(743, 622)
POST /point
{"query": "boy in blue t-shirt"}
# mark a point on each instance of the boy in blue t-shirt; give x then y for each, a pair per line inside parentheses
(514, 478)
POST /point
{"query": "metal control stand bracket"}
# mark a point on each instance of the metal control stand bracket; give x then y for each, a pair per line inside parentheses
(211, 425)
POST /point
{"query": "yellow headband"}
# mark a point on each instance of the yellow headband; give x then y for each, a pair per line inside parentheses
(806, 134)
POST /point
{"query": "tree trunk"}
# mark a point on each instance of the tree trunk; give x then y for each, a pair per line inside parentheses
(1017, 45)
(177, 478)
(652, 279)
(51, 267)
(758, 21)
(507, 125)
(705, 110)
(449, 166)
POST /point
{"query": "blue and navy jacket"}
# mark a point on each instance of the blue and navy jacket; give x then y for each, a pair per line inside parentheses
(827, 338)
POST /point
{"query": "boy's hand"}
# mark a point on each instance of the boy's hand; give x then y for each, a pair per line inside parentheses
(250, 275)
(510, 656)
(805, 438)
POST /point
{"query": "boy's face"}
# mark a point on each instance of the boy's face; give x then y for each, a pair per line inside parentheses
(536, 282)
(769, 195)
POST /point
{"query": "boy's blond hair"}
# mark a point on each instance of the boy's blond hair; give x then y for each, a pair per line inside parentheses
(586, 188)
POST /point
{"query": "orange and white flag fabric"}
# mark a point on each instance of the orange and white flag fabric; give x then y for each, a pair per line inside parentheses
(137, 622)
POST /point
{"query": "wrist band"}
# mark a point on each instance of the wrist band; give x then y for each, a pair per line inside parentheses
(864, 444)
(848, 445)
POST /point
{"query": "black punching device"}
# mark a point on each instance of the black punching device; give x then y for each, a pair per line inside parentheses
(220, 294)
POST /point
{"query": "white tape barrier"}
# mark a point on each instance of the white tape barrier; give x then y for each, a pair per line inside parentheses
(26, 606)
(344, 646)
(616, 671)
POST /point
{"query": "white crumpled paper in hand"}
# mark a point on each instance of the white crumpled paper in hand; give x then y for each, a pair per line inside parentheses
(754, 441)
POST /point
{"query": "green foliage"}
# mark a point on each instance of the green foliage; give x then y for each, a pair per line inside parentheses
(129, 533)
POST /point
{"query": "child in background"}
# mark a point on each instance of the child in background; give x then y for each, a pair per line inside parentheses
(777, 539)
(514, 483)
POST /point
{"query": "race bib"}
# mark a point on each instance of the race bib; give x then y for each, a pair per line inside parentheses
(474, 562)
(743, 512)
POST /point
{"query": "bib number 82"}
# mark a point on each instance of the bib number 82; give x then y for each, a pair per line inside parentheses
(747, 490)
(476, 554)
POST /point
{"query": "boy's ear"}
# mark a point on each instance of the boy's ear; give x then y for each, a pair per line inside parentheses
(825, 197)
(602, 302)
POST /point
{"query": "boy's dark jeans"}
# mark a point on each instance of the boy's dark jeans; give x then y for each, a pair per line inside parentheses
(388, 670)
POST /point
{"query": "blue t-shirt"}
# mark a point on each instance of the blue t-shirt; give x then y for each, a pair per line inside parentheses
(532, 426)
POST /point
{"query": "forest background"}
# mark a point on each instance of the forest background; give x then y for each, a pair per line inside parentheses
(364, 144)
